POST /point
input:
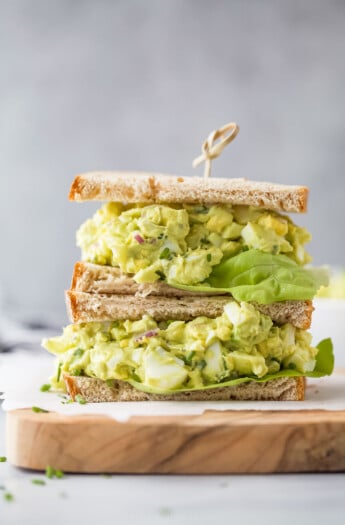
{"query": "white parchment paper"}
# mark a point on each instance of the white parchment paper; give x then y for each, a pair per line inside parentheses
(22, 374)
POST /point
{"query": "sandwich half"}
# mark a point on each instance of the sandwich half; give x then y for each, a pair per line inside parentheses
(160, 235)
(189, 289)
(214, 348)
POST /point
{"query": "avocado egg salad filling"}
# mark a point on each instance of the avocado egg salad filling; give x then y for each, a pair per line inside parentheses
(161, 357)
(252, 253)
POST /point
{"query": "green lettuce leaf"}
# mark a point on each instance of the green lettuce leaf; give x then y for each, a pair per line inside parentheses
(262, 277)
(323, 367)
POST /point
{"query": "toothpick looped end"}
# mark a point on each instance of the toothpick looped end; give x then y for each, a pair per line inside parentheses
(212, 149)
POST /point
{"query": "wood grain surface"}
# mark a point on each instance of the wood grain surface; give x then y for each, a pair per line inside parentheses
(212, 443)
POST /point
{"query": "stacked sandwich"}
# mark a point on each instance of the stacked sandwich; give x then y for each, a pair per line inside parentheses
(189, 289)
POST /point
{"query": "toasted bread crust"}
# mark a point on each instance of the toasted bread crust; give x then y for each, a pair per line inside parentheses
(128, 187)
(132, 301)
(135, 187)
(95, 391)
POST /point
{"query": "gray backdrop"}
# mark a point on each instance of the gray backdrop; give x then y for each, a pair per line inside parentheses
(138, 85)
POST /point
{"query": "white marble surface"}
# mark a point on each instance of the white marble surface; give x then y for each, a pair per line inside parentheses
(278, 499)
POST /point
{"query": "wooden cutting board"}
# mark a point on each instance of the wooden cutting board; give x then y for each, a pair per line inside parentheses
(215, 442)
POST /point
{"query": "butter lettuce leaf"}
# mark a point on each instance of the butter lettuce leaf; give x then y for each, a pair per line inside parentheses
(323, 367)
(262, 277)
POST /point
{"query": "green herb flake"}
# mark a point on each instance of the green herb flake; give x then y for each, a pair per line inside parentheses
(109, 383)
(53, 473)
(45, 388)
(38, 482)
(79, 399)
(187, 359)
(190, 356)
(201, 210)
(3, 459)
(78, 352)
(58, 375)
(209, 257)
(38, 410)
(77, 372)
(165, 254)
(136, 377)
(160, 275)
(8, 496)
(49, 472)
(201, 364)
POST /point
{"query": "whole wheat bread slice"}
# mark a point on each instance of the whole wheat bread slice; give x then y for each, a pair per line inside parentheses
(133, 187)
(88, 307)
(95, 391)
(96, 278)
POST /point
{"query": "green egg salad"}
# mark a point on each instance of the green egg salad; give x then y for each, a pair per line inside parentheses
(240, 345)
(207, 248)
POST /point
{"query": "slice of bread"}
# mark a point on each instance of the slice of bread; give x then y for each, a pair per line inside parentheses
(133, 187)
(95, 391)
(87, 307)
(96, 278)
